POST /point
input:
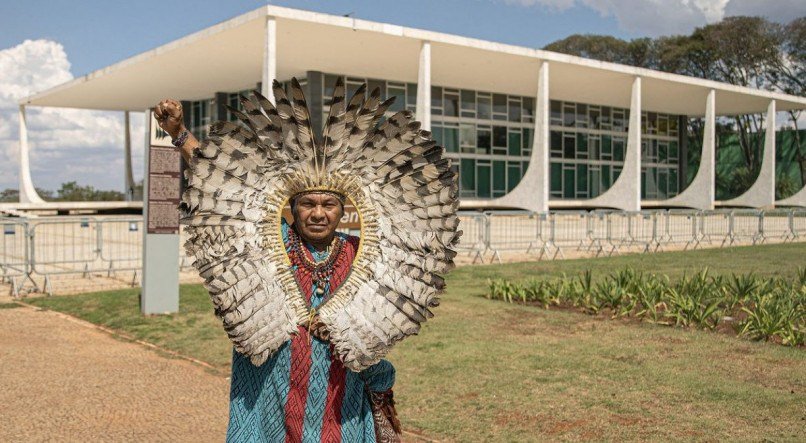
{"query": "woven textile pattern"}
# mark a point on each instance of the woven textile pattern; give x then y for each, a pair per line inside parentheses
(303, 393)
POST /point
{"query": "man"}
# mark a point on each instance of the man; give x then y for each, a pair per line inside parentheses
(312, 312)
(303, 391)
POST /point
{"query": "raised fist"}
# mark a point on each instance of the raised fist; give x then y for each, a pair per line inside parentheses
(169, 116)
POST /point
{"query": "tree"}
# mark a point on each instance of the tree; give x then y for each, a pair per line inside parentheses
(45, 194)
(72, 191)
(686, 55)
(741, 51)
(9, 195)
(598, 47)
(642, 52)
(744, 50)
(789, 76)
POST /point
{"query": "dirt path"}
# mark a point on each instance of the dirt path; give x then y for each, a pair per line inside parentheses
(61, 380)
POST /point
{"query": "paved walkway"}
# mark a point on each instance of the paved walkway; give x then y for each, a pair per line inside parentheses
(63, 381)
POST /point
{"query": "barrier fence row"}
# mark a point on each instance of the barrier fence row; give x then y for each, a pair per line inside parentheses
(594, 233)
(84, 246)
(87, 246)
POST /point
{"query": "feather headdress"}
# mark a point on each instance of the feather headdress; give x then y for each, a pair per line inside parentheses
(405, 192)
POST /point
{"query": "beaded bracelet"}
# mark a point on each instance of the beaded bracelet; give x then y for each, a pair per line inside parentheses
(179, 141)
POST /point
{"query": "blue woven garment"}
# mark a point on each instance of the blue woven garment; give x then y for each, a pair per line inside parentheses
(258, 395)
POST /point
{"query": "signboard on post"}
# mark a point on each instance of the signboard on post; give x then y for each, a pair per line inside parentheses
(163, 189)
(160, 292)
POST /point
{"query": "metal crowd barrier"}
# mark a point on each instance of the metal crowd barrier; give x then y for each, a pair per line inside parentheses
(797, 224)
(569, 229)
(514, 231)
(680, 227)
(14, 254)
(777, 225)
(474, 228)
(610, 232)
(84, 245)
(92, 245)
(746, 226)
(598, 231)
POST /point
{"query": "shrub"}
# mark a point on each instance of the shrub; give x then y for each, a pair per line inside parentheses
(772, 310)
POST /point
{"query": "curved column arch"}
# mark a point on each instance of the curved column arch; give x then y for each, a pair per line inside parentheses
(796, 199)
(532, 192)
(701, 192)
(762, 192)
(625, 193)
(28, 192)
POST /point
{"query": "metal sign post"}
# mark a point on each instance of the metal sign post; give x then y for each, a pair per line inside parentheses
(161, 188)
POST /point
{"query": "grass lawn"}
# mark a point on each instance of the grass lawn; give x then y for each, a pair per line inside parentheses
(483, 370)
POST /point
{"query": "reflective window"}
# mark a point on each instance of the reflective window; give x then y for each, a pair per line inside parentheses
(399, 92)
(467, 137)
(484, 140)
(468, 103)
(451, 102)
(485, 107)
(483, 171)
(514, 142)
(467, 177)
(499, 178)
(499, 107)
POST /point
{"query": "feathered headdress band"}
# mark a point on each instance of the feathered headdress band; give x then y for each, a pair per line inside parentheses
(403, 189)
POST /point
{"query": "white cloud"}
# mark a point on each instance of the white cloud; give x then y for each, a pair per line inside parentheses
(559, 5)
(782, 11)
(65, 144)
(659, 17)
(667, 17)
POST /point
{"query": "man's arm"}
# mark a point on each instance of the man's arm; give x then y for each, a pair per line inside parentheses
(169, 116)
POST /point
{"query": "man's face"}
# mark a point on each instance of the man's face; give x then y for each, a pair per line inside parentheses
(316, 216)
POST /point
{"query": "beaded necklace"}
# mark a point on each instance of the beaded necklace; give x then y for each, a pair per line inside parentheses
(320, 272)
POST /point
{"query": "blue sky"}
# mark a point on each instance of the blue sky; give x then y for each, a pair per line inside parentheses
(72, 38)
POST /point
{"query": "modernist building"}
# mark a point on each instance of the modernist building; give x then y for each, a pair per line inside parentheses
(527, 128)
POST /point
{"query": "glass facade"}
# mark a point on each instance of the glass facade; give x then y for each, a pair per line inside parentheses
(489, 136)
(587, 144)
(200, 117)
(586, 148)
(660, 155)
(234, 101)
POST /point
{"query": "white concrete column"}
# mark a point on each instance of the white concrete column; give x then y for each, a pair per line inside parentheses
(269, 58)
(796, 199)
(127, 158)
(423, 114)
(532, 192)
(701, 192)
(540, 146)
(632, 156)
(768, 162)
(27, 190)
(762, 193)
(708, 156)
(625, 194)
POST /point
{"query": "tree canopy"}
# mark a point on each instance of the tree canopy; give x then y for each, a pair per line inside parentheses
(743, 51)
